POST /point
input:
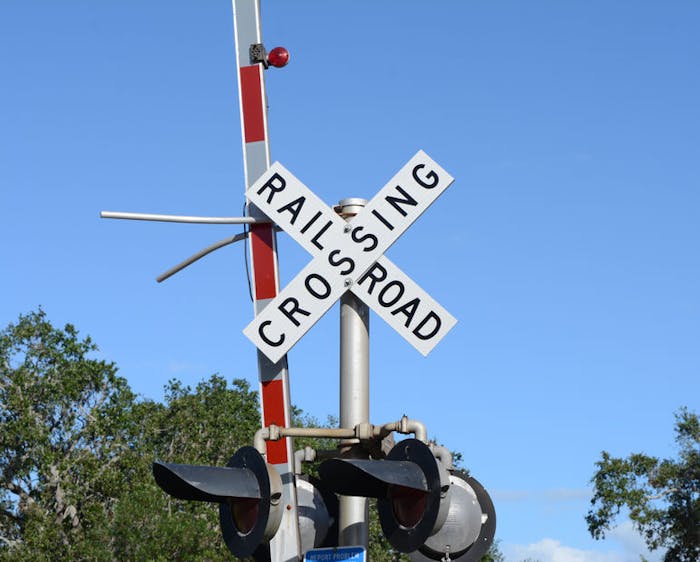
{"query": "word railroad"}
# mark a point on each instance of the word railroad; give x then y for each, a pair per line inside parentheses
(349, 256)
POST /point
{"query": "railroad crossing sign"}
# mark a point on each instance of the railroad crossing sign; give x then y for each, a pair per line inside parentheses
(349, 256)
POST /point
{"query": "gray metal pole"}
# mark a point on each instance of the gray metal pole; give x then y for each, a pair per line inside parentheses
(353, 525)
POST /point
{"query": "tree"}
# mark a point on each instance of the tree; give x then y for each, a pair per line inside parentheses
(63, 446)
(662, 496)
(76, 448)
(203, 426)
(494, 554)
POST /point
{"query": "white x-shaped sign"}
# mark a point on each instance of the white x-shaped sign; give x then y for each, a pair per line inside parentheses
(349, 256)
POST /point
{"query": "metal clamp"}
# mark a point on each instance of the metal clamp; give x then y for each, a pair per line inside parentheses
(258, 54)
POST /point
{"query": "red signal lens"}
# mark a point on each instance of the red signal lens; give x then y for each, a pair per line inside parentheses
(408, 505)
(245, 514)
(278, 57)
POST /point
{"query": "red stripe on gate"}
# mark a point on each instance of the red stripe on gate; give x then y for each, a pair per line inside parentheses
(263, 261)
(252, 103)
(273, 406)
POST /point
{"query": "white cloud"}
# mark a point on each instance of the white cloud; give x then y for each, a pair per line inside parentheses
(630, 546)
(630, 539)
(550, 550)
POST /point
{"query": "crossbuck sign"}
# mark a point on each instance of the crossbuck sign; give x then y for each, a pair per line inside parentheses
(349, 256)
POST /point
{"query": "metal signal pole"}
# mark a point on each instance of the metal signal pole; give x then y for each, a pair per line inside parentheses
(274, 377)
(353, 524)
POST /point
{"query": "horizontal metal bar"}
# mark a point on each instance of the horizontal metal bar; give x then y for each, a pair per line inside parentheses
(182, 218)
(362, 432)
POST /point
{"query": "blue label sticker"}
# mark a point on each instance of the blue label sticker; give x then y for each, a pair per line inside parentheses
(348, 553)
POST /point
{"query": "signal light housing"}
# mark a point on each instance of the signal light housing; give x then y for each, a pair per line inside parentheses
(318, 514)
(468, 532)
(248, 492)
(408, 486)
(246, 524)
(423, 508)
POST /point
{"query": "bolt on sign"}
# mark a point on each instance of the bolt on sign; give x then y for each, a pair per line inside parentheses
(349, 256)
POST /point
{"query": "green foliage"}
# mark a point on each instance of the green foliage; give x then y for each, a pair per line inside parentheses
(494, 554)
(201, 426)
(76, 449)
(63, 440)
(662, 496)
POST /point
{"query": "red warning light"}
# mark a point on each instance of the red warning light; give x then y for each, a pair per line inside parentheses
(408, 504)
(245, 512)
(278, 57)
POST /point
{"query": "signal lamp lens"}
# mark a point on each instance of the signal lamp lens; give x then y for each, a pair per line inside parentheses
(278, 57)
(408, 505)
(245, 514)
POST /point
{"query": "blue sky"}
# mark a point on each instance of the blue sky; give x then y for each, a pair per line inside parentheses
(567, 247)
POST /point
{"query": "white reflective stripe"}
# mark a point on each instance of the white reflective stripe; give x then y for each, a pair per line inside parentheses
(257, 159)
(246, 21)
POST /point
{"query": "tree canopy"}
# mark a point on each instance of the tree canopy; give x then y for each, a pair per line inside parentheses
(64, 439)
(76, 447)
(662, 496)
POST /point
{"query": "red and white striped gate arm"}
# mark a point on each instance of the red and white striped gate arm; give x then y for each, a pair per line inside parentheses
(274, 377)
